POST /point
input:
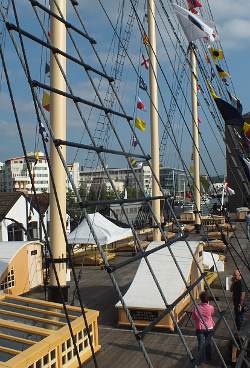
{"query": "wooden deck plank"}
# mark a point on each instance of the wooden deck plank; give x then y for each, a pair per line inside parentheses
(120, 346)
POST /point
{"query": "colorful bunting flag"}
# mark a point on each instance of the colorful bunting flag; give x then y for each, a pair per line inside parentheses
(140, 124)
(193, 26)
(230, 115)
(134, 141)
(140, 104)
(133, 162)
(43, 132)
(145, 39)
(46, 101)
(199, 120)
(207, 58)
(246, 129)
(142, 84)
(192, 4)
(222, 73)
(211, 90)
(145, 62)
(216, 54)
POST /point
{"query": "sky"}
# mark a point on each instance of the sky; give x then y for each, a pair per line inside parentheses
(232, 20)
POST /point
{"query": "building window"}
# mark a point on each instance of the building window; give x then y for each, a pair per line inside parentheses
(32, 230)
(15, 232)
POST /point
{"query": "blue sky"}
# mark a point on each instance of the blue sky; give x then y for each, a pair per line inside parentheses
(233, 22)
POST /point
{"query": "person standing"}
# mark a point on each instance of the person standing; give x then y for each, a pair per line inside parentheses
(204, 324)
(238, 290)
(248, 224)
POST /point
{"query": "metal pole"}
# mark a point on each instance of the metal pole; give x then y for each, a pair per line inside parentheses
(58, 126)
(196, 147)
(154, 115)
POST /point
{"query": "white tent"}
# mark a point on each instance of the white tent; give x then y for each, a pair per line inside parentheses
(210, 260)
(143, 292)
(105, 230)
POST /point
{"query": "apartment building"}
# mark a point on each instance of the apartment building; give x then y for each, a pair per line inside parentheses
(14, 175)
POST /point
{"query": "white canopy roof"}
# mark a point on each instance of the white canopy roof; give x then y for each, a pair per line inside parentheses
(143, 292)
(212, 259)
(105, 230)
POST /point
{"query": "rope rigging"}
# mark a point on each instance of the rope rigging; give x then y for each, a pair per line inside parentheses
(101, 158)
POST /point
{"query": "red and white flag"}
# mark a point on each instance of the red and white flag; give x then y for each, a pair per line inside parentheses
(140, 104)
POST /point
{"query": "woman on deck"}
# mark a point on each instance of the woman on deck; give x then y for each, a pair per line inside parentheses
(204, 324)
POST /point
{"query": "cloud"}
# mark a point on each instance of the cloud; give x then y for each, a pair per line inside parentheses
(233, 21)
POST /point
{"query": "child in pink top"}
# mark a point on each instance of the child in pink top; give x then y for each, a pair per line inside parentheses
(204, 324)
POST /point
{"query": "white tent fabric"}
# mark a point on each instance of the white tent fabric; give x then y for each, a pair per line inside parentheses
(210, 261)
(143, 292)
(106, 231)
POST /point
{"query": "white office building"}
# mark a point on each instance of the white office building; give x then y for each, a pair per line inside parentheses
(119, 176)
(15, 176)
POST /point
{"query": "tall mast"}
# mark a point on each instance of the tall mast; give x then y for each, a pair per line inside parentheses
(154, 115)
(196, 146)
(58, 126)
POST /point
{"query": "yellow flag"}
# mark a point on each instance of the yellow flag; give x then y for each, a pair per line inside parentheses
(37, 155)
(216, 53)
(46, 101)
(222, 73)
(145, 39)
(140, 124)
(133, 162)
(211, 89)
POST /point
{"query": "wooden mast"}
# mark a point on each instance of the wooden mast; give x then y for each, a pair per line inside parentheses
(196, 145)
(154, 115)
(58, 126)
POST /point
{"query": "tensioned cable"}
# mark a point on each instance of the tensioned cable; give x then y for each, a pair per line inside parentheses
(190, 134)
(155, 280)
(100, 249)
(37, 203)
(122, 206)
(27, 72)
(203, 111)
(159, 116)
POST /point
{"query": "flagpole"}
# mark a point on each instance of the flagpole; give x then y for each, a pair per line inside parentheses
(58, 126)
(196, 145)
(154, 116)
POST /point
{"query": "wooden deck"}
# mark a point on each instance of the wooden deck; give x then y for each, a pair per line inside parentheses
(119, 347)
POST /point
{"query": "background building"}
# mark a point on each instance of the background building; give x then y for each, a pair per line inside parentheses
(14, 175)
(173, 181)
(118, 176)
